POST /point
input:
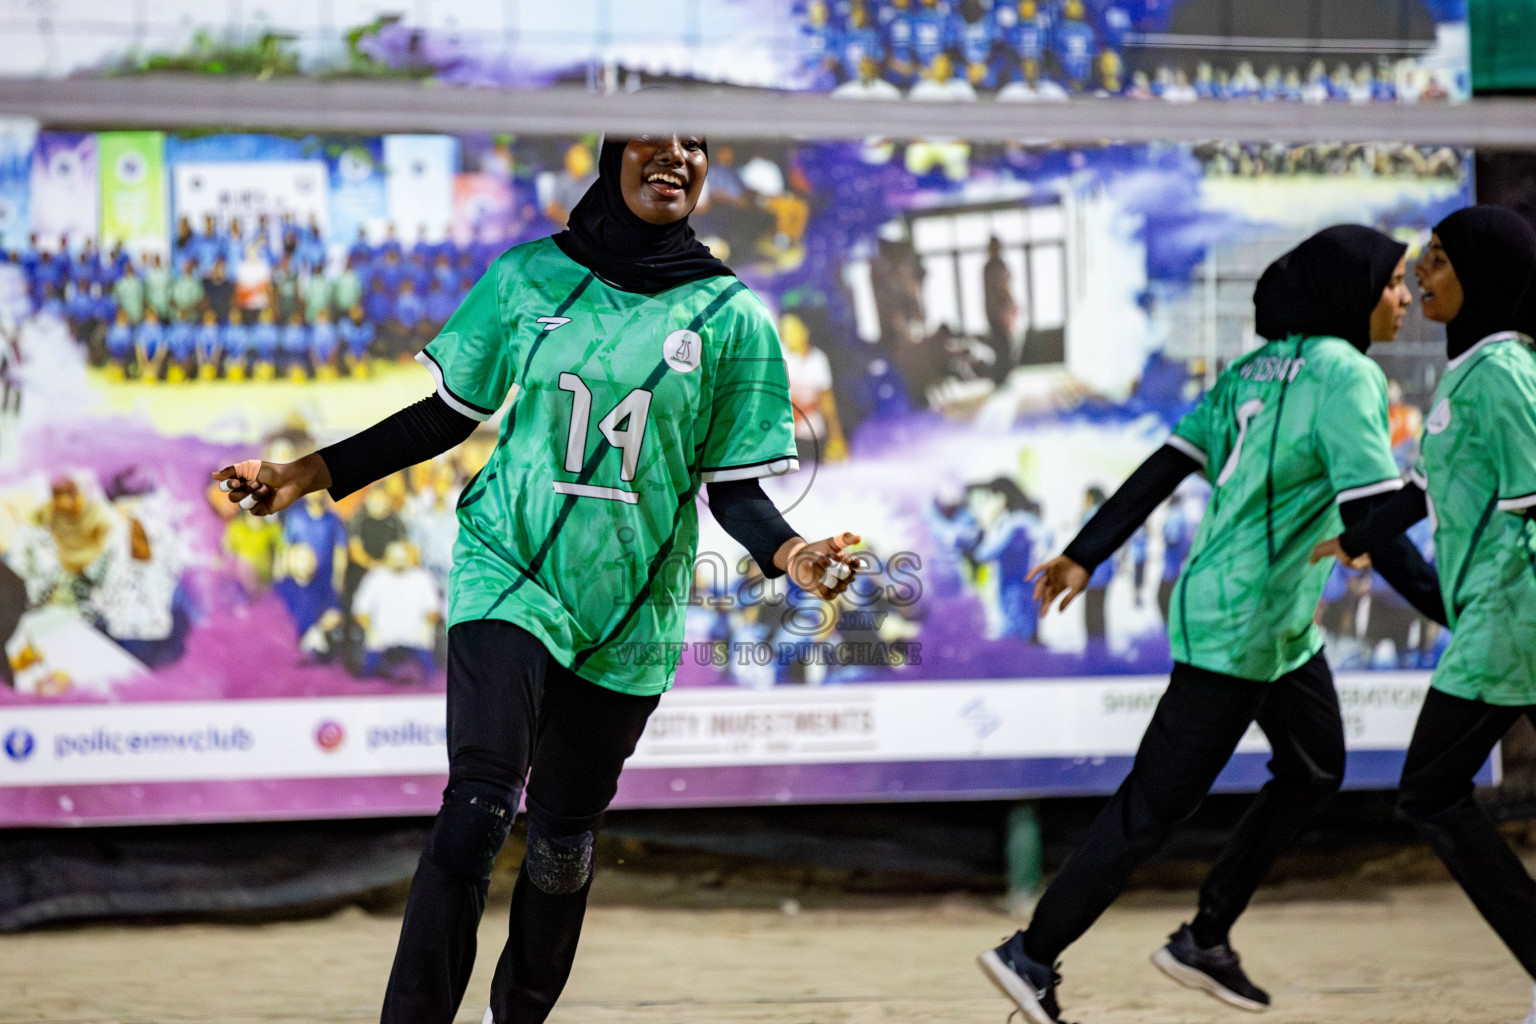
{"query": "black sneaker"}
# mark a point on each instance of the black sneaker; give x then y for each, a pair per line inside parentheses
(1031, 985)
(1217, 970)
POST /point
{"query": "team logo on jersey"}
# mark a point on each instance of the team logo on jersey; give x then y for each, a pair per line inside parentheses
(1439, 417)
(552, 322)
(682, 350)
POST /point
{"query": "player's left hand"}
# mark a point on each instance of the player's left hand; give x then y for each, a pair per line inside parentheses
(1333, 549)
(820, 568)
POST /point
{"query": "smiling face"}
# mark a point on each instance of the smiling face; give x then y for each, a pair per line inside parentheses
(1439, 288)
(661, 176)
(1387, 317)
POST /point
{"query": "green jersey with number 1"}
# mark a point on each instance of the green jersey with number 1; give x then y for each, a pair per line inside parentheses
(1287, 434)
(582, 527)
(1478, 466)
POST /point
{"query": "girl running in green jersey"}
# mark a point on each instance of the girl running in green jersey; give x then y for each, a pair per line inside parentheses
(1477, 479)
(645, 370)
(1289, 433)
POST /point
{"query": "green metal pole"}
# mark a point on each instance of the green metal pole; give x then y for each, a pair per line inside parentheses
(1024, 855)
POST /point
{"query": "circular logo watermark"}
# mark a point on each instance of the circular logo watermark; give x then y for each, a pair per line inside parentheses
(682, 350)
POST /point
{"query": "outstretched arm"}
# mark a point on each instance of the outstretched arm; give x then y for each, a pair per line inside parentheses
(1113, 524)
(749, 516)
(414, 434)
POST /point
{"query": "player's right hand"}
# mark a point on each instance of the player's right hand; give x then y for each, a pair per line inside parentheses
(1333, 549)
(265, 488)
(1059, 576)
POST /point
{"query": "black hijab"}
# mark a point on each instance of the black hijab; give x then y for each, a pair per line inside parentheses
(1327, 285)
(1493, 251)
(606, 237)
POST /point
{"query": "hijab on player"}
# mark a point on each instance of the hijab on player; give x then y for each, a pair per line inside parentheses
(1492, 252)
(608, 238)
(1328, 285)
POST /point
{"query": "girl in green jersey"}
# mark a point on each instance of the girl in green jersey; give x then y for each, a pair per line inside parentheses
(1477, 478)
(645, 371)
(1293, 438)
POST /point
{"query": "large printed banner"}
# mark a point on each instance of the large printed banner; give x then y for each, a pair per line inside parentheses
(981, 343)
(1344, 51)
(968, 739)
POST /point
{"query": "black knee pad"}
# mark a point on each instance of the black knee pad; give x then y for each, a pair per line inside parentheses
(558, 865)
(470, 830)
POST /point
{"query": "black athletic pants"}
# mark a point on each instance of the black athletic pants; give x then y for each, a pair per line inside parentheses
(1194, 730)
(510, 706)
(1450, 743)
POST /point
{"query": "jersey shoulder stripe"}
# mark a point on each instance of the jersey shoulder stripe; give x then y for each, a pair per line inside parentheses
(457, 403)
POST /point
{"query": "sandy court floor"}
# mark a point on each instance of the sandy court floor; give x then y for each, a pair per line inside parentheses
(1408, 955)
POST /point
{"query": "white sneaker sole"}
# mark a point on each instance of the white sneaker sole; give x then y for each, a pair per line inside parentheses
(1191, 978)
(1014, 987)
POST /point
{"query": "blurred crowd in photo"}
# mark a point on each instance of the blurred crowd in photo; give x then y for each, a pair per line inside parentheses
(253, 299)
(1358, 159)
(84, 558)
(1043, 50)
(362, 581)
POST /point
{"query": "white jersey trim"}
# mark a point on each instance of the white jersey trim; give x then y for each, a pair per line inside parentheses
(1491, 339)
(775, 467)
(446, 395)
(1418, 479)
(1386, 486)
(1516, 504)
(1188, 448)
(593, 491)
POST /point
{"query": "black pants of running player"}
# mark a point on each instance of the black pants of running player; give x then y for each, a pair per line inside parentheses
(511, 706)
(1195, 729)
(1451, 741)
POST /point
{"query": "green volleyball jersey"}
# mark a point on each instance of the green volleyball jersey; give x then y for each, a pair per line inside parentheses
(582, 527)
(1478, 465)
(1288, 433)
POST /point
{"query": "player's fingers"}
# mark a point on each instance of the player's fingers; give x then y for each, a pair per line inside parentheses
(1036, 571)
(248, 469)
(842, 541)
(1046, 592)
(1072, 592)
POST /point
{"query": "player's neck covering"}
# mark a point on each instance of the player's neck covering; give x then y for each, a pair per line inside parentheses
(606, 237)
(1493, 251)
(1327, 285)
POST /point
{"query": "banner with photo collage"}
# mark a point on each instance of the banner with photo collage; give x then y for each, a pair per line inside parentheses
(981, 341)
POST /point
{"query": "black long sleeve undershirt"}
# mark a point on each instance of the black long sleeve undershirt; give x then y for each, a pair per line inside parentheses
(1394, 555)
(747, 514)
(414, 434)
(1377, 525)
(430, 427)
(1392, 517)
(1122, 515)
